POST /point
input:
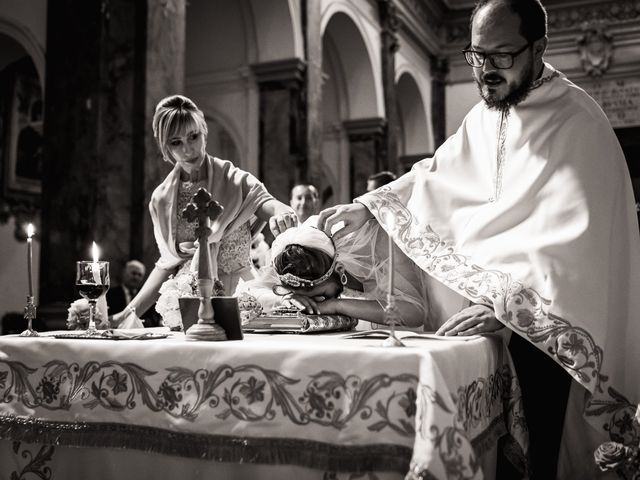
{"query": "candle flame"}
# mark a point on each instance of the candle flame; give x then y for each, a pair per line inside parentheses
(30, 230)
(95, 252)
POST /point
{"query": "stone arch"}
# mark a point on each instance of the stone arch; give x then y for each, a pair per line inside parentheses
(414, 137)
(351, 94)
(277, 30)
(225, 39)
(28, 41)
(358, 61)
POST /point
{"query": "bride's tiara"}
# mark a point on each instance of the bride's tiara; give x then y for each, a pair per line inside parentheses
(291, 280)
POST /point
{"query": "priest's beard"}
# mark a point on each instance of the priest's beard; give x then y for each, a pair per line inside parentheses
(517, 91)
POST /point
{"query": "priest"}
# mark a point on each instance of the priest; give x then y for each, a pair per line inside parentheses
(526, 217)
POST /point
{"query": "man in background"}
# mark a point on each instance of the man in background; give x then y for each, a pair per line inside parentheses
(119, 297)
(305, 201)
(378, 179)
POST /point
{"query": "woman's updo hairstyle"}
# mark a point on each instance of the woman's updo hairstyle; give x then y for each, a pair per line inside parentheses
(173, 116)
(306, 263)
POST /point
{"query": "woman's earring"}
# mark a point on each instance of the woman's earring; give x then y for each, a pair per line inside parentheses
(343, 275)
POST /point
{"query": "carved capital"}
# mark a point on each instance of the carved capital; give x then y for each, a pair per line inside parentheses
(596, 48)
(364, 129)
(564, 18)
(389, 24)
(286, 72)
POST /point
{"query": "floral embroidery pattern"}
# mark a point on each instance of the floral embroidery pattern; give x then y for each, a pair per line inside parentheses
(246, 392)
(522, 309)
(394, 404)
(456, 456)
(235, 248)
(501, 156)
(474, 403)
(619, 421)
(36, 464)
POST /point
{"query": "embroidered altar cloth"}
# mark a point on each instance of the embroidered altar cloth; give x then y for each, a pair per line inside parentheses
(308, 406)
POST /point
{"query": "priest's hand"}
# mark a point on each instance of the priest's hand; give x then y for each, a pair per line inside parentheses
(354, 216)
(472, 320)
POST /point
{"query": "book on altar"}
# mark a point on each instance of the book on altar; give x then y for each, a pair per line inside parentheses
(289, 320)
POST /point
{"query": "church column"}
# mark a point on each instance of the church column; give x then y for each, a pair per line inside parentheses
(282, 134)
(439, 71)
(313, 82)
(105, 71)
(366, 151)
(389, 44)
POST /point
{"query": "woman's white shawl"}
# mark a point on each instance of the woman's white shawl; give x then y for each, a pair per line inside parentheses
(239, 192)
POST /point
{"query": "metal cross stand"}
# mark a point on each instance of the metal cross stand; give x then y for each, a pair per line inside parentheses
(203, 209)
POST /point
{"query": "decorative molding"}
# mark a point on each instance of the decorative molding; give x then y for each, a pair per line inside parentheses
(365, 127)
(231, 79)
(423, 21)
(284, 71)
(451, 26)
(595, 46)
(389, 23)
(573, 16)
(439, 67)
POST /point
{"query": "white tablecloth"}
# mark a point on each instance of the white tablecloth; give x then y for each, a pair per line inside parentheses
(316, 406)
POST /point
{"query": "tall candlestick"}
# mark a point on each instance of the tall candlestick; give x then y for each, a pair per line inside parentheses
(390, 226)
(30, 232)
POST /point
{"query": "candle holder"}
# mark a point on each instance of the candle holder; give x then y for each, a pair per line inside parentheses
(29, 315)
(391, 317)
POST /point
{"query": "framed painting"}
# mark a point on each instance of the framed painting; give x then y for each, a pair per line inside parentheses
(23, 120)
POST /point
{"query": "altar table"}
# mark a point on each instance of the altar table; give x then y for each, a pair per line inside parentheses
(271, 406)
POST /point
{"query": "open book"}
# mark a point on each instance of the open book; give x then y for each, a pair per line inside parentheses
(292, 320)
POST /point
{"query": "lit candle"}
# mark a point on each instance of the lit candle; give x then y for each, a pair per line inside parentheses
(95, 266)
(390, 226)
(30, 232)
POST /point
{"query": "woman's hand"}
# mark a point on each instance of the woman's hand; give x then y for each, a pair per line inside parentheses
(472, 320)
(279, 216)
(116, 319)
(281, 222)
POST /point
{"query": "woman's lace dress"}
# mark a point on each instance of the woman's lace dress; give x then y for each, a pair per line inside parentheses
(233, 259)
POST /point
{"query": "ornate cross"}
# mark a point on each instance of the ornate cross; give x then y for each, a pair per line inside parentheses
(202, 209)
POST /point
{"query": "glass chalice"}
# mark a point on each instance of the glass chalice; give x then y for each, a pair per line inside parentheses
(92, 281)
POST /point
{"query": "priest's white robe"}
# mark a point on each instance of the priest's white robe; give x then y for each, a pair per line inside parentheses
(532, 212)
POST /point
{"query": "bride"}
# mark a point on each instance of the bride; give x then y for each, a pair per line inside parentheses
(349, 277)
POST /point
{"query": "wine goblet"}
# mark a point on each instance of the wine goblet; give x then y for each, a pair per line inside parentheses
(92, 281)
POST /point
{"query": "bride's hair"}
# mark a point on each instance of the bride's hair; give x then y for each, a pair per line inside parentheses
(306, 263)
